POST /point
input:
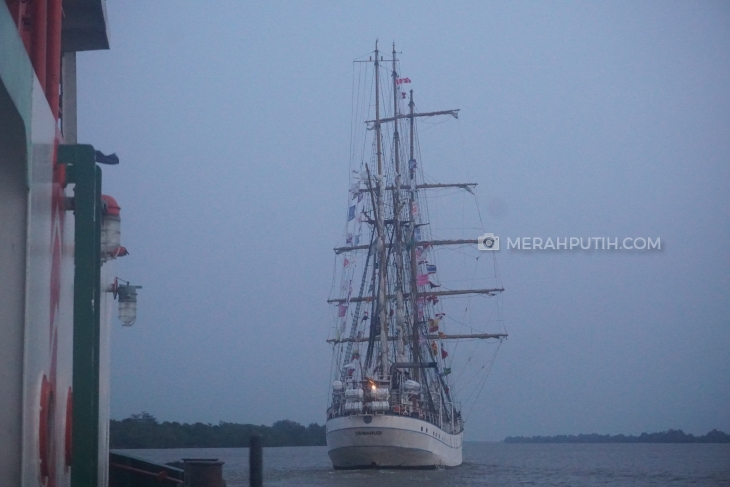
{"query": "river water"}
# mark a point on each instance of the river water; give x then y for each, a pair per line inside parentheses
(485, 463)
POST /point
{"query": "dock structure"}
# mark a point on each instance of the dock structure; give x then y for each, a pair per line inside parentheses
(59, 238)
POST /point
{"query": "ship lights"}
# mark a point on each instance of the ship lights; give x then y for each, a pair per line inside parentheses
(127, 296)
(111, 239)
(128, 304)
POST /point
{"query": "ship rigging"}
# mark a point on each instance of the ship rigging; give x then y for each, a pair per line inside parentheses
(392, 403)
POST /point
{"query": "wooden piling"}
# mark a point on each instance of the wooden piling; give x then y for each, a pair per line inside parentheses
(256, 462)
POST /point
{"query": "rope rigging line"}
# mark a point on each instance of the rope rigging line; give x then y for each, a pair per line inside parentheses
(484, 380)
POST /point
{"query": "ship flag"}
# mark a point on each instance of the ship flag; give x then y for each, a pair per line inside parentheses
(102, 158)
(433, 325)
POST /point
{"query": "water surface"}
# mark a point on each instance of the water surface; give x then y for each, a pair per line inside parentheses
(492, 464)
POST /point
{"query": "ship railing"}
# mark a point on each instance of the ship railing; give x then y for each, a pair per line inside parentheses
(405, 404)
(401, 403)
(454, 409)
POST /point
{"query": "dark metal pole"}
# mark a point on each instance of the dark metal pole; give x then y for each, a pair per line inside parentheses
(86, 175)
(256, 462)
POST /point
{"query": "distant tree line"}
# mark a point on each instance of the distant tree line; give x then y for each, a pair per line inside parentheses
(671, 436)
(144, 431)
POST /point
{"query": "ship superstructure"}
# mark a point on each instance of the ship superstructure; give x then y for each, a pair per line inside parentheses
(59, 236)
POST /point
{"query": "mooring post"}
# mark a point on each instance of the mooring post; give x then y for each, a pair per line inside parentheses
(256, 461)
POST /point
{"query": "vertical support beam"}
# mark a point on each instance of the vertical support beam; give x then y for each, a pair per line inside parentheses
(93, 353)
(19, 12)
(39, 31)
(53, 55)
(68, 93)
(83, 171)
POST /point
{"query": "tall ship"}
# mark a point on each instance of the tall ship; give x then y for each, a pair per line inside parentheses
(393, 398)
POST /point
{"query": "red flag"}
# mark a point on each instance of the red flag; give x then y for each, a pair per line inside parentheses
(403, 94)
(444, 353)
(400, 81)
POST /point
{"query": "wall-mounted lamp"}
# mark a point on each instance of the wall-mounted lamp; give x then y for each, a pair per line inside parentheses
(111, 235)
(127, 296)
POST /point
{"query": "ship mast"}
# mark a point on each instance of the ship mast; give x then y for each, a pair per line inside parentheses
(399, 308)
(382, 256)
(406, 271)
(415, 350)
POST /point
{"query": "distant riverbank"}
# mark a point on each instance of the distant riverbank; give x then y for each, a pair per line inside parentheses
(144, 431)
(671, 436)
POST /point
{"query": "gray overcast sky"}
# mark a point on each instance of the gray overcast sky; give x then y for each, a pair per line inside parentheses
(232, 122)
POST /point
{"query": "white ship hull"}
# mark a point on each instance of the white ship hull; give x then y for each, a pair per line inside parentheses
(390, 441)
